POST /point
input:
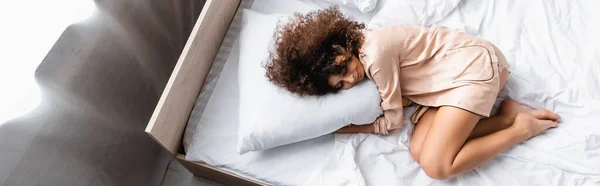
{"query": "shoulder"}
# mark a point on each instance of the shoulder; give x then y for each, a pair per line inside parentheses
(391, 36)
(383, 42)
(377, 54)
(374, 48)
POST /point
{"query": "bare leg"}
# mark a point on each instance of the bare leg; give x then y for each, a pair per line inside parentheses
(446, 152)
(508, 111)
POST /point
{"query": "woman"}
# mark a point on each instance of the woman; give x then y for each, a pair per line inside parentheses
(452, 77)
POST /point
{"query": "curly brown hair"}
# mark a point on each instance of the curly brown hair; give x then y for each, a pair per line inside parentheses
(304, 56)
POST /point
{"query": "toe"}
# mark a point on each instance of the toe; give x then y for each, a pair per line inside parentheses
(551, 115)
(547, 123)
(545, 115)
(558, 118)
(538, 114)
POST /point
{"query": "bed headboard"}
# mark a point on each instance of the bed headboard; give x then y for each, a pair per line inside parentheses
(172, 112)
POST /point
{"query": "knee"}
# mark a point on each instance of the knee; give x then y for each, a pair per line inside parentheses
(434, 170)
(430, 165)
(415, 152)
(436, 173)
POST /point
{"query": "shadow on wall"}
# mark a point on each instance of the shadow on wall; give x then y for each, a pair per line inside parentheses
(99, 85)
(29, 33)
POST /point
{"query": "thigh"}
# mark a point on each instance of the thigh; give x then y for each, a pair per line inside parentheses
(503, 78)
(421, 128)
(446, 135)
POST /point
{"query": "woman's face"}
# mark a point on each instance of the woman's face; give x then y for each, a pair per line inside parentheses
(353, 74)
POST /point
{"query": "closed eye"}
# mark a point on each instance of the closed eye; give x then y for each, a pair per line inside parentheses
(339, 85)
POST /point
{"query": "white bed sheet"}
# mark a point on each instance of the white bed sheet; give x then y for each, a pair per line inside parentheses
(555, 62)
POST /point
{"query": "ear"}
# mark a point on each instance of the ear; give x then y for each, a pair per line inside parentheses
(339, 48)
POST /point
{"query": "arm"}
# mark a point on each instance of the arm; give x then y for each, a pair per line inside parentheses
(369, 128)
(387, 79)
(385, 72)
(350, 129)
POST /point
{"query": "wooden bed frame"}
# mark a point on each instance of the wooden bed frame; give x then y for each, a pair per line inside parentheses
(168, 122)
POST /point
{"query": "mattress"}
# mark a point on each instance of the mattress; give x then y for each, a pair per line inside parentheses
(555, 64)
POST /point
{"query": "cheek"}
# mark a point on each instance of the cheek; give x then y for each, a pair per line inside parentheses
(332, 82)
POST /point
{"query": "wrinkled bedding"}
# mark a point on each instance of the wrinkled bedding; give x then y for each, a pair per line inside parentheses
(554, 52)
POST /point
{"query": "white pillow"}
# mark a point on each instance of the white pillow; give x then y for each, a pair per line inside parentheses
(419, 12)
(271, 116)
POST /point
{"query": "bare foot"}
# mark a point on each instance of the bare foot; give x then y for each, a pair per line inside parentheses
(509, 109)
(530, 126)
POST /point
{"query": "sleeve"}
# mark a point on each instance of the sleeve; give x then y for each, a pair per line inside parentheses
(385, 72)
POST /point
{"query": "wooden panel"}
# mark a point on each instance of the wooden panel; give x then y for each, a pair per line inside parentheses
(177, 100)
(215, 174)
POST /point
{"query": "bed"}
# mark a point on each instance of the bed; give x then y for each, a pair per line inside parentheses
(553, 65)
